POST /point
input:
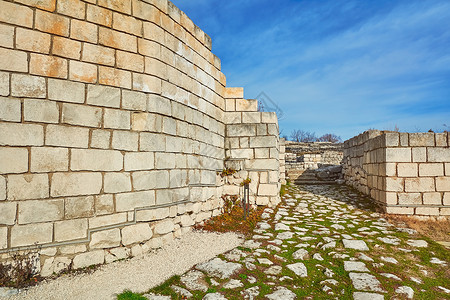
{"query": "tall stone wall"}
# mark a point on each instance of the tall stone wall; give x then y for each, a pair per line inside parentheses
(406, 173)
(113, 129)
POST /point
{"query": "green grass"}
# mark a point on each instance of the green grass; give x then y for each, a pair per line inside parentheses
(129, 295)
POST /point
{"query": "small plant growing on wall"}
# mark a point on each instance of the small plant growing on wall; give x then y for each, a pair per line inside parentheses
(246, 181)
(20, 272)
(227, 172)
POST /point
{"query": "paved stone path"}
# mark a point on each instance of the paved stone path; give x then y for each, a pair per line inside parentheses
(321, 242)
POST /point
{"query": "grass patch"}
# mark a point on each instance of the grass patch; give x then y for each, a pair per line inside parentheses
(129, 295)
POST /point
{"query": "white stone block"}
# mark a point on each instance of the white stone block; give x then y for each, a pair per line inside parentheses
(107, 220)
(152, 142)
(263, 141)
(164, 160)
(21, 134)
(262, 164)
(443, 184)
(38, 211)
(79, 207)
(48, 159)
(65, 136)
(10, 109)
(71, 230)
(27, 235)
(67, 91)
(241, 130)
(268, 190)
(13, 160)
(100, 139)
(158, 104)
(88, 259)
(8, 213)
(96, 160)
(136, 234)
(82, 115)
(125, 140)
(44, 111)
(3, 237)
(117, 182)
(439, 154)
(398, 154)
(130, 201)
(105, 239)
(147, 180)
(4, 82)
(134, 100)
(117, 254)
(139, 161)
(2, 186)
(104, 204)
(164, 227)
(28, 186)
(103, 96)
(74, 184)
(431, 169)
(117, 119)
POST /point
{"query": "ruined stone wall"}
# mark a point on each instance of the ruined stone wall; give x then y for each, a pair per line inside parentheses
(304, 156)
(407, 173)
(112, 129)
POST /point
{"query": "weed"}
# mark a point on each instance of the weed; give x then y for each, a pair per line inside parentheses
(21, 271)
(227, 172)
(129, 295)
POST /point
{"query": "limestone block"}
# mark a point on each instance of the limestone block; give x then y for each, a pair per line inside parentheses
(82, 115)
(164, 227)
(49, 66)
(2, 184)
(125, 140)
(71, 230)
(13, 160)
(4, 83)
(114, 77)
(443, 184)
(88, 259)
(96, 160)
(147, 83)
(419, 154)
(3, 237)
(117, 40)
(409, 198)
(64, 136)
(130, 61)
(44, 111)
(103, 96)
(27, 235)
(101, 221)
(117, 254)
(262, 164)
(66, 48)
(152, 142)
(263, 141)
(149, 48)
(152, 214)
(160, 105)
(74, 184)
(444, 211)
(130, 201)
(104, 204)
(16, 14)
(83, 31)
(8, 213)
(147, 180)
(421, 139)
(268, 190)
(28, 186)
(27, 86)
(81, 71)
(52, 23)
(427, 211)
(446, 199)
(398, 154)
(241, 130)
(441, 139)
(99, 15)
(117, 119)
(431, 169)
(248, 106)
(13, 60)
(100, 139)
(447, 169)
(76, 9)
(10, 109)
(136, 234)
(391, 139)
(117, 182)
(169, 126)
(236, 93)
(79, 207)
(400, 210)
(438, 154)
(139, 161)
(146, 122)
(233, 118)
(67, 91)
(269, 117)
(37, 211)
(105, 239)
(164, 160)
(134, 100)
(424, 184)
(407, 170)
(117, 5)
(98, 55)
(432, 198)
(394, 184)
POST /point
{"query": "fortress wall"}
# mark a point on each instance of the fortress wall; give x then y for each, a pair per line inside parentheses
(407, 173)
(112, 129)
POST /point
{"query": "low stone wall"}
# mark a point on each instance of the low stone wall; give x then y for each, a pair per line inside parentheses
(406, 173)
(114, 126)
(311, 156)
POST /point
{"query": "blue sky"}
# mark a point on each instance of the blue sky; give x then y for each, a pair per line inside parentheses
(335, 66)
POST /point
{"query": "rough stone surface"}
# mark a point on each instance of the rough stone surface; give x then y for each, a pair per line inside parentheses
(219, 268)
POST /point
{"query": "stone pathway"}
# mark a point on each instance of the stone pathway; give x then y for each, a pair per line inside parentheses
(321, 242)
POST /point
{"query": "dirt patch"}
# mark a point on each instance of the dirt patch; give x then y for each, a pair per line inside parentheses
(435, 229)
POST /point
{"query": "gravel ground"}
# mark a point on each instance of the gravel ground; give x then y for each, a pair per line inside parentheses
(137, 274)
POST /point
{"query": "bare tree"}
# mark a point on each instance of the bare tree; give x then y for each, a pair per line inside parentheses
(303, 136)
(329, 137)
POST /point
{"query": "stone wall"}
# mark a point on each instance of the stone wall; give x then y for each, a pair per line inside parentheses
(310, 156)
(406, 173)
(114, 125)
